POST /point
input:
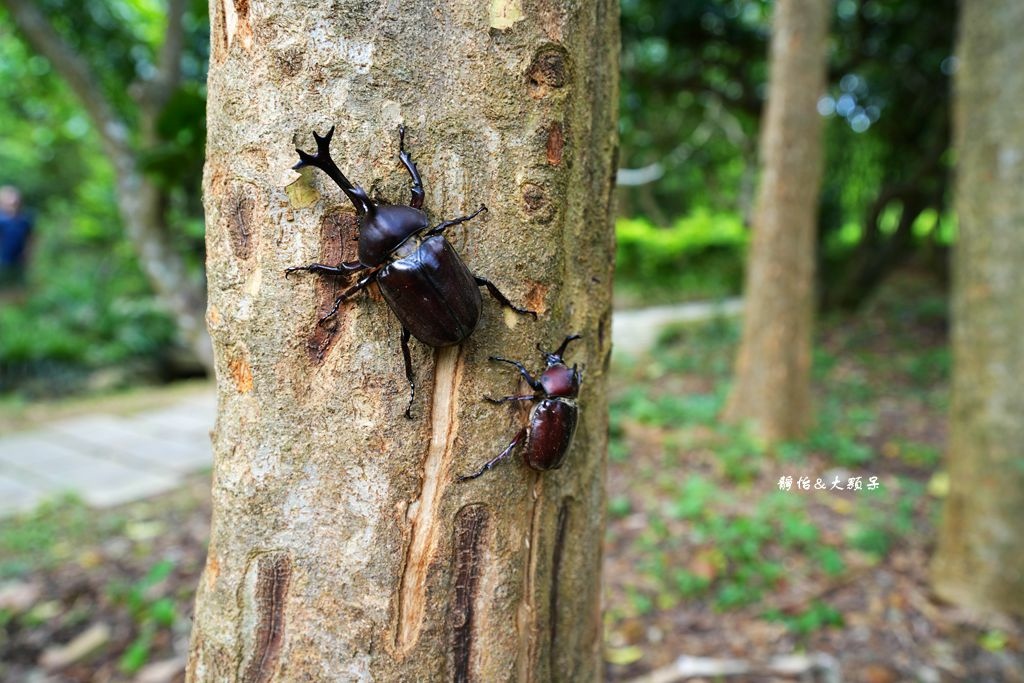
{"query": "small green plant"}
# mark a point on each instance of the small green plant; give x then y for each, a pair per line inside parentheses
(695, 496)
(150, 613)
(619, 507)
(830, 560)
(817, 616)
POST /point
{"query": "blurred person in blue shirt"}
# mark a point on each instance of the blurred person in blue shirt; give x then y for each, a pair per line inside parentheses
(15, 230)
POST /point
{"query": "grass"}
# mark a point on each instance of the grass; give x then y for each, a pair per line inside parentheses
(50, 535)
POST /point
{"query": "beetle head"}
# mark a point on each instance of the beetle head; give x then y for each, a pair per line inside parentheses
(559, 379)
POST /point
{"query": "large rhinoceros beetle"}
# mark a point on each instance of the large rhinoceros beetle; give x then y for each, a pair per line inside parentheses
(432, 292)
(552, 424)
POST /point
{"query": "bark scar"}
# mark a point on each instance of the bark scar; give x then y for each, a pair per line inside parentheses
(526, 619)
(470, 527)
(263, 613)
(556, 568)
(423, 512)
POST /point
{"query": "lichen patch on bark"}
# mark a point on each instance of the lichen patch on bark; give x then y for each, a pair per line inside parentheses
(505, 13)
(301, 193)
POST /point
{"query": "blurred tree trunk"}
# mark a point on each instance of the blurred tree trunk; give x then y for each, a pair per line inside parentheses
(141, 203)
(343, 548)
(772, 377)
(980, 557)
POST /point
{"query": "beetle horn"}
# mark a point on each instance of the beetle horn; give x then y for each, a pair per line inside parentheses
(565, 344)
(322, 160)
(556, 356)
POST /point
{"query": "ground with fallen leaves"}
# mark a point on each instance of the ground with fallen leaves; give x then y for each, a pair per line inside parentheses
(708, 553)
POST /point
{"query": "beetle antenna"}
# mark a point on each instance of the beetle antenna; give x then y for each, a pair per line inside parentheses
(322, 160)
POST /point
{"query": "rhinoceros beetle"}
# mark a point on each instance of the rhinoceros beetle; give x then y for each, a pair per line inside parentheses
(431, 291)
(552, 424)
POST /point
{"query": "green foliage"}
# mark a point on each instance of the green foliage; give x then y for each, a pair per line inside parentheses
(691, 74)
(700, 256)
(667, 410)
(619, 507)
(93, 310)
(694, 497)
(694, 76)
(880, 523)
(87, 304)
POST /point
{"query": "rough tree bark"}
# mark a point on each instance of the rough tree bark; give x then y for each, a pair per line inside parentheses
(772, 378)
(140, 201)
(980, 557)
(343, 548)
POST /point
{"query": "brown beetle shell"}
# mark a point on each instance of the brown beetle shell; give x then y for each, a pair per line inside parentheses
(433, 293)
(552, 427)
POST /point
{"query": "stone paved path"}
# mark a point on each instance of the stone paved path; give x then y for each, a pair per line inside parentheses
(107, 459)
(636, 331)
(112, 459)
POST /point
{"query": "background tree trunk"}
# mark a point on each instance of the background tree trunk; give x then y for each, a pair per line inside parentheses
(342, 546)
(772, 388)
(980, 558)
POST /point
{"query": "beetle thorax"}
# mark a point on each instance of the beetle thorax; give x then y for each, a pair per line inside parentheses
(385, 228)
(559, 380)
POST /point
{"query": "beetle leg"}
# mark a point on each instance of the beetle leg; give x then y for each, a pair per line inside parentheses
(410, 166)
(535, 384)
(322, 269)
(502, 299)
(408, 371)
(322, 160)
(346, 295)
(441, 227)
(506, 399)
(501, 456)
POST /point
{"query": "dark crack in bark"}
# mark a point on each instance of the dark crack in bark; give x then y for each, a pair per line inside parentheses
(470, 527)
(273, 576)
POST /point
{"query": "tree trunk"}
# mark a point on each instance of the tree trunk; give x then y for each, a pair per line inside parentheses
(980, 557)
(343, 547)
(772, 386)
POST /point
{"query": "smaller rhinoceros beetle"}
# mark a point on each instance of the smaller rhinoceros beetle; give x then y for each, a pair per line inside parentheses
(552, 424)
(419, 273)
